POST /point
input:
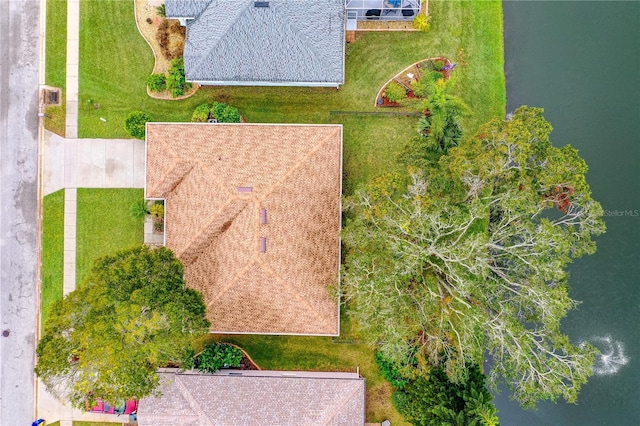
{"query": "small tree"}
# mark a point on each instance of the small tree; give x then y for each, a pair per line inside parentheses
(161, 11)
(136, 122)
(157, 82)
(139, 209)
(217, 355)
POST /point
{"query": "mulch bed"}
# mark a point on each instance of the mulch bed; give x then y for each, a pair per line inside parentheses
(246, 363)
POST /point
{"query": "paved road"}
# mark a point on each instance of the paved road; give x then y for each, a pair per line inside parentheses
(19, 27)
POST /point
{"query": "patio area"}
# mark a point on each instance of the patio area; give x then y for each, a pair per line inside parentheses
(383, 10)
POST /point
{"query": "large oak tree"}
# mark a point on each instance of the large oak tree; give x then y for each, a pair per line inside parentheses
(107, 338)
(470, 255)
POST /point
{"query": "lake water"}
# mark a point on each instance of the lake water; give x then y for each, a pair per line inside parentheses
(580, 61)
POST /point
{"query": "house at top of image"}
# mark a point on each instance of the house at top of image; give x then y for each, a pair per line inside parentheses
(262, 43)
(254, 213)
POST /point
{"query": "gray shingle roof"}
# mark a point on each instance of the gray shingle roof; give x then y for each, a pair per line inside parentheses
(300, 41)
(256, 398)
(185, 8)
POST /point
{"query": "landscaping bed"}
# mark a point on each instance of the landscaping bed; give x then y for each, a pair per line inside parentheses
(406, 80)
(166, 38)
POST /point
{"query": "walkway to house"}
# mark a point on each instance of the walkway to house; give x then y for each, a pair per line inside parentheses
(71, 163)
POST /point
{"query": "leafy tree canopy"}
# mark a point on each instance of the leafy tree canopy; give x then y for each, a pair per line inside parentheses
(435, 401)
(469, 255)
(132, 315)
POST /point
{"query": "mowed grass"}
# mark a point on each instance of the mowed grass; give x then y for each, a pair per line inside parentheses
(56, 61)
(371, 145)
(104, 225)
(52, 251)
(115, 61)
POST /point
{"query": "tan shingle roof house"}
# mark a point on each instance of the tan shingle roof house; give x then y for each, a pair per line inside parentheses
(253, 211)
(246, 398)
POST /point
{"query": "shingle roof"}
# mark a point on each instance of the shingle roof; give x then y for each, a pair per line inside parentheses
(255, 398)
(185, 8)
(294, 175)
(298, 41)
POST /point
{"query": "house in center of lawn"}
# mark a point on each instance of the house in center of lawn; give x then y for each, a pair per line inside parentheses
(253, 212)
(262, 43)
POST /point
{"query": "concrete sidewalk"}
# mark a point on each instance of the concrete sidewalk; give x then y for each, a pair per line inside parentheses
(92, 163)
(73, 55)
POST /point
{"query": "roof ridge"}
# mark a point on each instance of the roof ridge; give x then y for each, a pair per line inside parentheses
(287, 287)
(338, 409)
(231, 22)
(214, 218)
(296, 166)
(193, 404)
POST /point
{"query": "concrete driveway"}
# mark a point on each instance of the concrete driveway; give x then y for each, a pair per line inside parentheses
(92, 163)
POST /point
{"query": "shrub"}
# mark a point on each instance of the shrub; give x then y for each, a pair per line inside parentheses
(135, 123)
(395, 92)
(139, 209)
(158, 226)
(438, 65)
(218, 355)
(161, 10)
(176, 81)
(421, 88)
(389, 371)
(157, 211)
(157, 82)
(434, 400)
(201, 113)
(421, 22)
(225, 113)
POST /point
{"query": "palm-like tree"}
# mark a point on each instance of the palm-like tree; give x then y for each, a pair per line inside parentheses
(442, 124)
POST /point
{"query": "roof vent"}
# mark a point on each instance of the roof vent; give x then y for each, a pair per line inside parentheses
(261, 4)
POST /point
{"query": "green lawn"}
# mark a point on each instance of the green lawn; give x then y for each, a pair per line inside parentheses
(52, 251)
(104, 225)
(370, 146)
(114, 66)
(56, 61)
